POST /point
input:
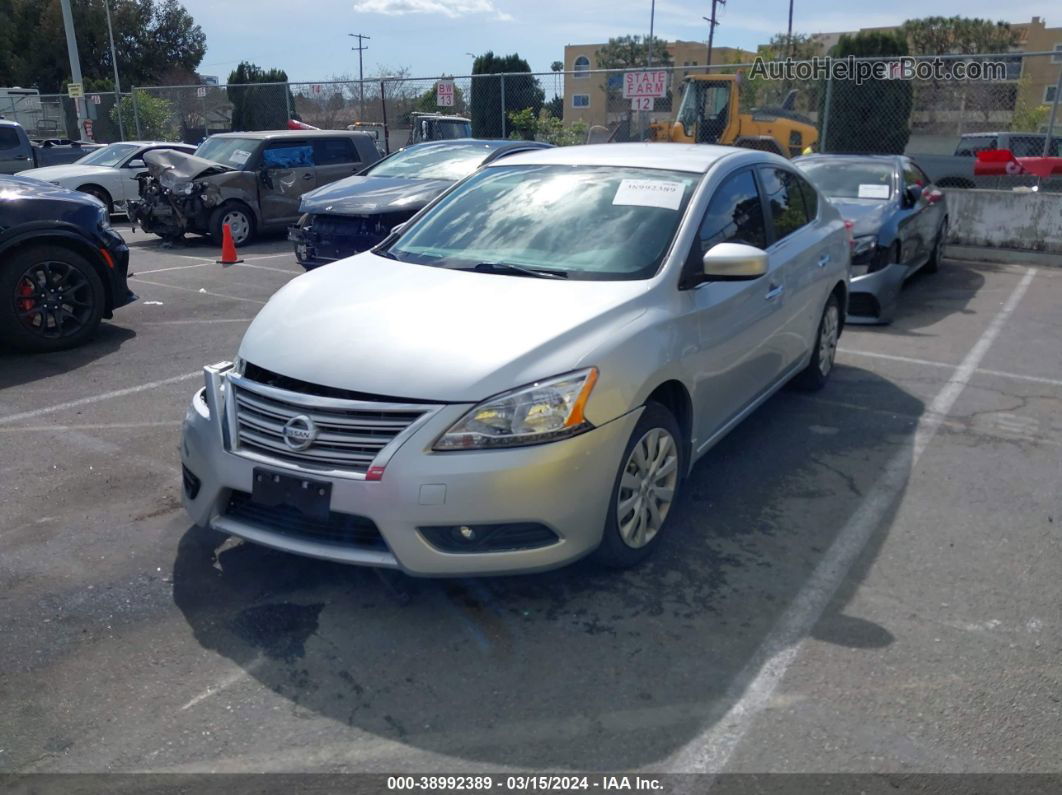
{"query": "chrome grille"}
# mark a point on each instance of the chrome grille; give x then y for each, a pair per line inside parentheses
(351, 434)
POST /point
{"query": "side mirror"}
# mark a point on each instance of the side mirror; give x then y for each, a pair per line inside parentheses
(136, 163)
(934, 196)
(914, 193)
(729, 262)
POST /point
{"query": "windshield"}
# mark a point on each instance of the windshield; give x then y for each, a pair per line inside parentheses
(433, 162)
(111, 155)
(841, 180)
(231, 152)
(588, 222)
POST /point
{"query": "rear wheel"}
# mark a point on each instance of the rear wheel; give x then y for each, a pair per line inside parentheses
(51, 298)
(239, 219)
(814, 376)
(646, 486)
(99, 193)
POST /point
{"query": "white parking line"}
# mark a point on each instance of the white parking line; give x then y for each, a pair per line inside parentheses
(92, 427)
(980, 370)
(25, 415)
(174, 268)
(201, 291)
(752, 689)
(197, 321)
(267, 268)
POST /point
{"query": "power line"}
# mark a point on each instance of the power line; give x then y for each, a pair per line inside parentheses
(361, 74)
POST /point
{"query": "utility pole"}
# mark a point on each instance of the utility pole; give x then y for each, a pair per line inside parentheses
(361, 74)
(114, 63)
(75, 65)
(712, 22)
(789, 32)
(649, 47)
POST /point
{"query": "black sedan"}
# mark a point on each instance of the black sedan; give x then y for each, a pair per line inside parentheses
(356, 213)
(898, 220)
(62, 267)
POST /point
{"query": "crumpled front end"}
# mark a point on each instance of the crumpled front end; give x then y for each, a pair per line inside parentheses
(176, 194)
(320, 239)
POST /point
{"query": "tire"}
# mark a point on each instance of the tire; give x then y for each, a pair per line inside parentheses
(51, 298)
(933, 263)
(241, 219)
(101, 194)
(814, 376)
(632, 531)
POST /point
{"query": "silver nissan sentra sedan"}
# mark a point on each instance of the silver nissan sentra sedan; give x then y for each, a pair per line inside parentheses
(524, 373)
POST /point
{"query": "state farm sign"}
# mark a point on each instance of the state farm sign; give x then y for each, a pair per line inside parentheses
(644, 84)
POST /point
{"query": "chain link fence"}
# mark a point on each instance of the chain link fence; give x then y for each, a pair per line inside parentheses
(940, 110)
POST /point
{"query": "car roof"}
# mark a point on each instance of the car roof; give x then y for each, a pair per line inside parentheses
(486, 143)
(694, 158)
(827, 156)
(265, 135)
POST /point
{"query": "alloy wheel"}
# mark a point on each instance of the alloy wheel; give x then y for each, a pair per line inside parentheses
(53, 299)
(647, 487)
(828, 339)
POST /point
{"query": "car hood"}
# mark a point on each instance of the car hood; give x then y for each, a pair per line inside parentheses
(368, 195)
(69, 171)
(867, 216)
(379, 326)
(17, 187)
(180, 166)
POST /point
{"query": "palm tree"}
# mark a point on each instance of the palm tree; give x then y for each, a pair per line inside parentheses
(557, 67)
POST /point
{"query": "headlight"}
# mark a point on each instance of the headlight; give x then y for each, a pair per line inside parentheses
(541, 412)
(861, 245)
(104, 218)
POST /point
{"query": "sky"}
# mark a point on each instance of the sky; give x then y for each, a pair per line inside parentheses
(431, 37)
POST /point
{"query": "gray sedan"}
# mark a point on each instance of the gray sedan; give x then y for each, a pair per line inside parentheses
(899, 221)
(525, 373)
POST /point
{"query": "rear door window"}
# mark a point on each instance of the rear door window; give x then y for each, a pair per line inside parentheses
(288, 154)
(785, 201)
(969, 147)
(334, 151)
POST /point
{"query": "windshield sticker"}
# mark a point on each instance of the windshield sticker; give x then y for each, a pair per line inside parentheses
(650, 193)
(239, 157)
(873, 191)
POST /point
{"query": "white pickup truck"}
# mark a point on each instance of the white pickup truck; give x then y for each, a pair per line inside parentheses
(18, 152)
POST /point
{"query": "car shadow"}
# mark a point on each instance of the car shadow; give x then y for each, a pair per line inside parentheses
(578, 668)
(928, 298)
(23, 368)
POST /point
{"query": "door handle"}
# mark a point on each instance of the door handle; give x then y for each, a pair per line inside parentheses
(307, 176)
(773, 291)
(824, 260)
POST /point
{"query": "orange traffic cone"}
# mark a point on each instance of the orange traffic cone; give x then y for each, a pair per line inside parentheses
(228, 247)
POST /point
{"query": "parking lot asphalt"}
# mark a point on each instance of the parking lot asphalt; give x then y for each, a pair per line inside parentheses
(862, 579)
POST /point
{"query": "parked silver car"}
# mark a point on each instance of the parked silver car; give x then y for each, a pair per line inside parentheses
(525, 373)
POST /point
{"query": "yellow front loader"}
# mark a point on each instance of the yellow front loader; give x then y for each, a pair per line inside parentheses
(711, 113)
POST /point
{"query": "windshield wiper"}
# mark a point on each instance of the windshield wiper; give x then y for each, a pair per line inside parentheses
(518, 270)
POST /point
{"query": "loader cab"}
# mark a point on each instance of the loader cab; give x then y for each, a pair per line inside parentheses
(706, 110)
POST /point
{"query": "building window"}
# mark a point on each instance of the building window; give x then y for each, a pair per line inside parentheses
(1057, 57)
(582, 67)
(580, 100)
(1049, 94)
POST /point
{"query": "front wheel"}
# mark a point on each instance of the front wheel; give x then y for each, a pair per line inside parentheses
(814, 376)
(240, 221)
(646, 486)
(50, 299)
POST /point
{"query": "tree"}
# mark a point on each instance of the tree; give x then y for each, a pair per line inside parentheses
(255, 105)
(758, 91)
(544, 126)
(873, 117)
(151, 38)
(627, 52)
(958, 35)
(151, 119)
(557, 67)
(521, 91)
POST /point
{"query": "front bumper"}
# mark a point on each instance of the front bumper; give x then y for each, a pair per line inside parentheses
(873, 296)
(115, 246)
(564, 485)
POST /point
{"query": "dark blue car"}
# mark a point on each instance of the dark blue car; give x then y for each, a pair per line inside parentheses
(62, 267)
(898, 218)
(356, 213)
